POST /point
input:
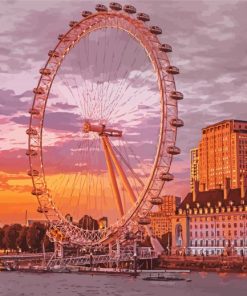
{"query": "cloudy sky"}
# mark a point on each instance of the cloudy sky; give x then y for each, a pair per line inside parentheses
(209, 47)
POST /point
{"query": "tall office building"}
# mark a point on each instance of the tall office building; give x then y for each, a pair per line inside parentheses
(194, 167)
(223, 155)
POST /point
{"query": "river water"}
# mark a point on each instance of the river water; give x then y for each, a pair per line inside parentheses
(48, 284)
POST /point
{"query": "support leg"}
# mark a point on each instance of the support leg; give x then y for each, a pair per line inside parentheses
(120, 171)
(112, 177)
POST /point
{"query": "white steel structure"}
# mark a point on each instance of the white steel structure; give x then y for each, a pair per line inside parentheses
(97, 125)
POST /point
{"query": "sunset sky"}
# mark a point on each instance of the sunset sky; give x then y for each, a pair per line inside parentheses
(209, 47)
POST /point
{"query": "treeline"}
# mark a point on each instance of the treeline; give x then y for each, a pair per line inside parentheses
(19, 238)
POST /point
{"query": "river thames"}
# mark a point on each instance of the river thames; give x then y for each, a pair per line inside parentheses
(202, 284)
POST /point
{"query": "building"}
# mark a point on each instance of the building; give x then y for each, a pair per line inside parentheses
(212, 222)
(194, 166)
(223, 154)
(103, 223)
(161, 220)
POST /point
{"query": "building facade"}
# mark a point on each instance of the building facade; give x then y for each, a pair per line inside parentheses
(211, 223)
(194, 167)
(223, 154)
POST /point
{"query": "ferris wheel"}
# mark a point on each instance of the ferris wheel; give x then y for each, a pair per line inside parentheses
(103, 126)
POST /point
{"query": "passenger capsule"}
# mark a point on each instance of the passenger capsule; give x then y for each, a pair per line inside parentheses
(100, 7)
(33, 173)
(86, 13)
(166, 177)
(177, 122)
(176, 95)
(31, 152)
(173, 150)
(34, 111)
(129, 9)
(37, 191)
(172, 70)
(42, 210)
(165, 48)
(143, 17)
(31, 131)
(45, 71)
(144, 221)
(156, 201)
(115, 6)
(38, 90)
(60, 36)
(53, 53)
(73, 24)
(155, 30)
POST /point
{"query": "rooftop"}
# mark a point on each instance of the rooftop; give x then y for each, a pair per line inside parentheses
(224, 121)
(214, 196)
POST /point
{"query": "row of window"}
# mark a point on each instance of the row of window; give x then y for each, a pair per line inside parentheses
(217, 233)
(217, 225)
(218, 243)
(219, 218)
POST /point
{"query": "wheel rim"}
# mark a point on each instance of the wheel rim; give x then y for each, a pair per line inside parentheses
(167, 136)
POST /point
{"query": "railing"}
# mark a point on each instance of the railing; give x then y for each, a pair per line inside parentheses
(99, 259)
(24, 256)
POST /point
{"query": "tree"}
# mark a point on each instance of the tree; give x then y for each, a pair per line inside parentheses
(22, 239)
(11, 233)
(36, 236)
(1, 238)
(87, 222)
(49, 246)
(3, 244)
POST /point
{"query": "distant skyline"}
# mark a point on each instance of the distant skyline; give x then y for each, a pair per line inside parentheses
(208, 47)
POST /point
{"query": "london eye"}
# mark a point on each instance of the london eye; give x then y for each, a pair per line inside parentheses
(103, 126)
